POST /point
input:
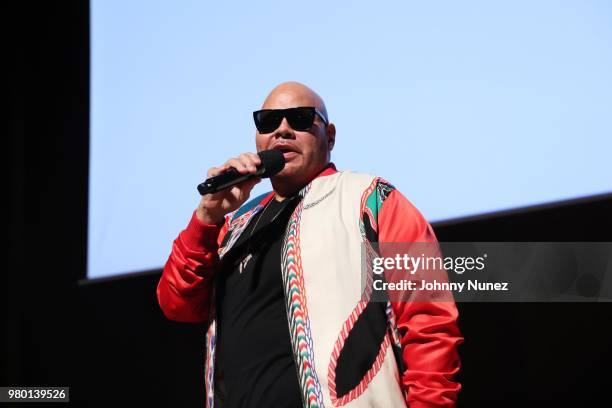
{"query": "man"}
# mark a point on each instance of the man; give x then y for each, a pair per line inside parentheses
(277, 281)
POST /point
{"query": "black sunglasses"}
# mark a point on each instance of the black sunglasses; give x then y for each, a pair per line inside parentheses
(300, 119)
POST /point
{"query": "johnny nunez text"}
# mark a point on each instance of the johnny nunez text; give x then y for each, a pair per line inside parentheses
(472, 284)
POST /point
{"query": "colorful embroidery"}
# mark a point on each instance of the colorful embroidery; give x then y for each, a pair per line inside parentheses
(236, 227)
(297, 312)
(211, 337)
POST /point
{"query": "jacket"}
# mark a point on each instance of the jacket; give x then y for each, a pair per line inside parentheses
(348, 352)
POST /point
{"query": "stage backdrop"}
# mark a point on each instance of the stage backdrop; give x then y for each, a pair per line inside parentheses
(467, 107)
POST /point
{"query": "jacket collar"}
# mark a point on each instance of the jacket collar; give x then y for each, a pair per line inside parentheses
(327, 170)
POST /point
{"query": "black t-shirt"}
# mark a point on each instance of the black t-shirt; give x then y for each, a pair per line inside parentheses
(254, 364)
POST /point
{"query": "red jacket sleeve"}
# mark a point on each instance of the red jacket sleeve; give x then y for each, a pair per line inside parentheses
(428, 330)
(184, 290)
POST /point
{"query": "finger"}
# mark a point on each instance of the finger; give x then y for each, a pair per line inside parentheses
(251, 159)
(256, 158)
(238, 165)
(248, 162)
(245, 162)
(214, 171)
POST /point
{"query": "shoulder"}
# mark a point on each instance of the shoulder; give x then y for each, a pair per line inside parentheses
(357, 181)
(381, 196)
(350, 176)
(387, 215)
(372, 187)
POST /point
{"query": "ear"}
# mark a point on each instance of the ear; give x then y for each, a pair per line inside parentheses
(331, 136)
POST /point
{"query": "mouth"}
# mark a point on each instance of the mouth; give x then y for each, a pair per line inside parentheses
(288, 151)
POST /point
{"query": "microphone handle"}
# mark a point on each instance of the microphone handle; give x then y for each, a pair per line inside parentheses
(225, 180)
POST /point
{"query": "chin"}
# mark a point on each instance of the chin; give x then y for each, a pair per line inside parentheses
(293, 177)
(287, 174)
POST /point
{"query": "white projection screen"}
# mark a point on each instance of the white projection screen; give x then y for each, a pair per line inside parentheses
(466, 107)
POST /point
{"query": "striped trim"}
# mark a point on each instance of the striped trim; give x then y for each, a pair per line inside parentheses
(211, 341)
(297, 312)
(367, 210)
(369, 376)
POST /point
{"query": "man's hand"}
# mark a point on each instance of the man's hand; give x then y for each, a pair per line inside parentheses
(213, 207)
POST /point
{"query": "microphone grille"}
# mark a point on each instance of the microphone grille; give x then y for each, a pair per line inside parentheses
(272, 161)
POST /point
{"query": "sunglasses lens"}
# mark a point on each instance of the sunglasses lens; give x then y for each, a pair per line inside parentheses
(267, 121)
(300, 119)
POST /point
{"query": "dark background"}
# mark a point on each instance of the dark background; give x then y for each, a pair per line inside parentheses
(108, 340)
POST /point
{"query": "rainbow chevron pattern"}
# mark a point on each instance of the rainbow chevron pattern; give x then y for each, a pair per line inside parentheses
(297, 312)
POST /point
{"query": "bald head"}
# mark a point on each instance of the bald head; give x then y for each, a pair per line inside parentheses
(292, 94)
(306, 152)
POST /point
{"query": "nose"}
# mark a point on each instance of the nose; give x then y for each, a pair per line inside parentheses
(284, 130)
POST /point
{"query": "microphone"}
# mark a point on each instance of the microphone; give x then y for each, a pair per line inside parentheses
(272, 162)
